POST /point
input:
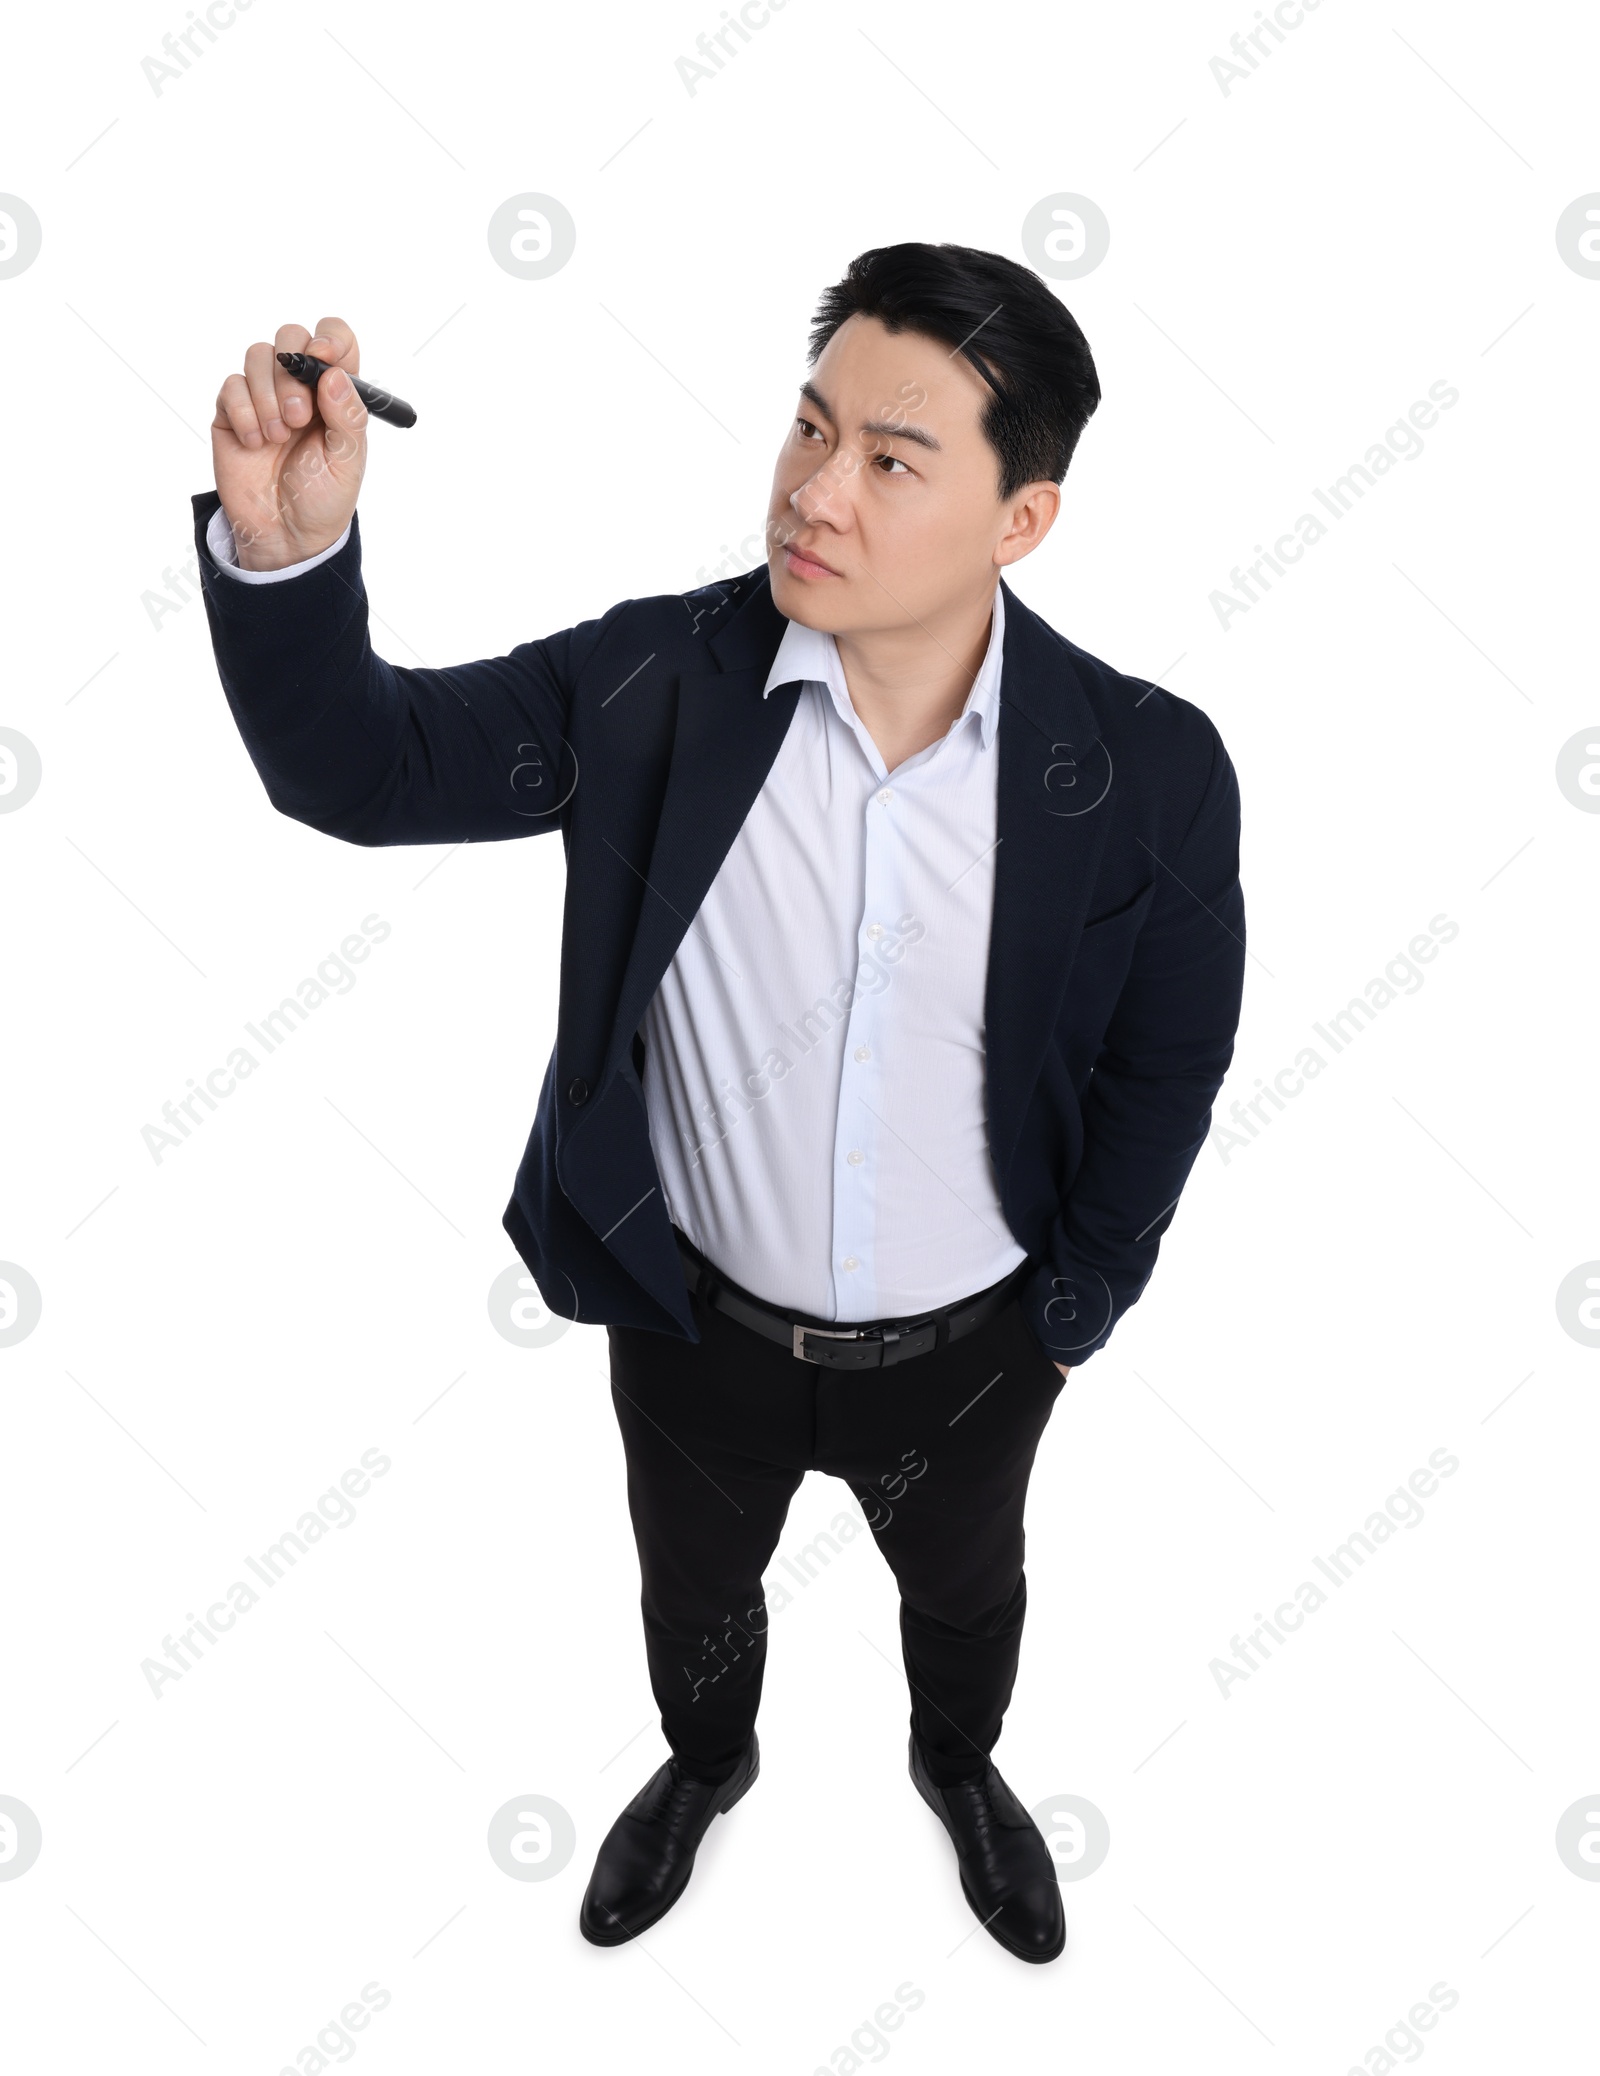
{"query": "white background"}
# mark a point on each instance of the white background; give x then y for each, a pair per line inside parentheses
(1371, 1279)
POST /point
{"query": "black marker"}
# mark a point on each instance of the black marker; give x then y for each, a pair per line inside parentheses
(305, 367)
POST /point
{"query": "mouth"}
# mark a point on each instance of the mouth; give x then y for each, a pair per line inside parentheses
(801, 564)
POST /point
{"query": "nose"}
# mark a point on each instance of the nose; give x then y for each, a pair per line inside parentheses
(821, 495)
(810, 501)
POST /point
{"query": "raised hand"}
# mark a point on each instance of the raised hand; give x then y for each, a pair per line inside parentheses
(289, 460)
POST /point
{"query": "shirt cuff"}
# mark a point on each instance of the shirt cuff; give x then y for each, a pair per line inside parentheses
(219, 539)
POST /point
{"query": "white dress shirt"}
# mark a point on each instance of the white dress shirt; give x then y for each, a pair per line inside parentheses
(814, 1066)
(814, 1054)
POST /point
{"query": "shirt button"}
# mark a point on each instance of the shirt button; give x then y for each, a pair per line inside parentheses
(578, 1091)
(849, 1262)
(874, 929)
(855, 1156)
(884, 796)
(863, 1052)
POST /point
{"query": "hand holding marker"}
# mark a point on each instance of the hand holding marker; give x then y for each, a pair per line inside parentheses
(393, 410)
(290, 449)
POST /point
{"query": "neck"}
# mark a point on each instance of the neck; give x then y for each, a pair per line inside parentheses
(909, 684)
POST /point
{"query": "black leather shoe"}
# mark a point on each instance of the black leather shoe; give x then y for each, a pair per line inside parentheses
(1007, 1874)
(647, 1856)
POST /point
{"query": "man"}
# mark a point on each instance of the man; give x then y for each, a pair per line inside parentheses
(902, 960)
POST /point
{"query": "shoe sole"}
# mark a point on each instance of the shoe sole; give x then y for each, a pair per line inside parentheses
(1016, 1952)
(722, 1808)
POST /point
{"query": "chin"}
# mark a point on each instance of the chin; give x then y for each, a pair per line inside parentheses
(797, 600)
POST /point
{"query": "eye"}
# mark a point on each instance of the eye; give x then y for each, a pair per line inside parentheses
(806, 429)
(889, 463)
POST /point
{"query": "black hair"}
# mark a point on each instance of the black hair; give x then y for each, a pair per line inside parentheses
(1003, 319)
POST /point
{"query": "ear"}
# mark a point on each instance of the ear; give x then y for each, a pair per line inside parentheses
(1032, 514)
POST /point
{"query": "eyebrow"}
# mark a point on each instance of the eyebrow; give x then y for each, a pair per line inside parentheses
(882, 426)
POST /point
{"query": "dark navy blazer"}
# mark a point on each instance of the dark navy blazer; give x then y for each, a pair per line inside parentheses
(1116, 958)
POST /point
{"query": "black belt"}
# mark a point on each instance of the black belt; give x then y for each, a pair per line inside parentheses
(869, 1346)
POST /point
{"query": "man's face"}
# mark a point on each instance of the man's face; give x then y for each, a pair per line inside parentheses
(885, 510)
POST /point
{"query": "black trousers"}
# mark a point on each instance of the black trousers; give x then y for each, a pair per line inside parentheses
(937, 1450)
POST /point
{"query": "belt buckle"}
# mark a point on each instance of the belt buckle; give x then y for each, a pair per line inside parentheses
(822, 1333)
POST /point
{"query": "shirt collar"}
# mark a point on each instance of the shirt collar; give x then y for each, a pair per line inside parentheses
(808, 654)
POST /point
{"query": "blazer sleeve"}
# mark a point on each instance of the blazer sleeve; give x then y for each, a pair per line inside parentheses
(1147, 1108)
(375, 753)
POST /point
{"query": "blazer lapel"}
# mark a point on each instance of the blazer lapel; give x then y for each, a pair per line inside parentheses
(1056, 798)
(725, 738)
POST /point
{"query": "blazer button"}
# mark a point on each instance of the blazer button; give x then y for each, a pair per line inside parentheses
(578, 1091)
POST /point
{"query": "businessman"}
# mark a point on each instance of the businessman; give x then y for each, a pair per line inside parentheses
(902, 958)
